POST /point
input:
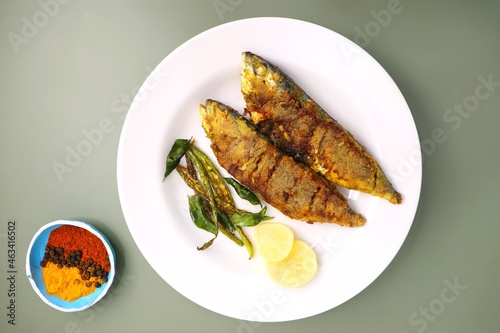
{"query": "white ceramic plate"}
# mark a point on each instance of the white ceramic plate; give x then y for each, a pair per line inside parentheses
(342, 78)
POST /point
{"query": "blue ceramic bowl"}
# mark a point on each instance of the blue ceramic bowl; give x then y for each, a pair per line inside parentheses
(35, 254)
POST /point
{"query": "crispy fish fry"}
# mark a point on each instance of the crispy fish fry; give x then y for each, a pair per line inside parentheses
(289, 186)
(302, 129)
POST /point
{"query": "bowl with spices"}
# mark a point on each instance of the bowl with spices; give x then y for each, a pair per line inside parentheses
(70, 264)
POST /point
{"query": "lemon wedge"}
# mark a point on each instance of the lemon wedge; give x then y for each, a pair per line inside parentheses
(297, 269)
(273, 240)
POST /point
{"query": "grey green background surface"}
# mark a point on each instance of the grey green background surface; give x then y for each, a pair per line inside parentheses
(83, 64)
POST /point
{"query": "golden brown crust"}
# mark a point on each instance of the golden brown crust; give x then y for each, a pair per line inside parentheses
(289, 186)
(302, 129)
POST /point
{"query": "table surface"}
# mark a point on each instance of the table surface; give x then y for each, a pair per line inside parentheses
(66, 65)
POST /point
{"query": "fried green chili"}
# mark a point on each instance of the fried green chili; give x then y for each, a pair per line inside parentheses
(212, 207)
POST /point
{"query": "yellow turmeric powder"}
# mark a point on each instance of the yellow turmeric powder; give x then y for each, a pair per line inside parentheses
(74, 264)
(66, 282)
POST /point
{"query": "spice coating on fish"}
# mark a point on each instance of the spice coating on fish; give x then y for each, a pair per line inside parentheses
(302, 129)
(289, 186)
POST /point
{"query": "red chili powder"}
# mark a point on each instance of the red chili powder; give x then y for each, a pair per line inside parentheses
(73, 238)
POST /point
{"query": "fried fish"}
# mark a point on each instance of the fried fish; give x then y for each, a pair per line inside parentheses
(289, 186)
(298, 126)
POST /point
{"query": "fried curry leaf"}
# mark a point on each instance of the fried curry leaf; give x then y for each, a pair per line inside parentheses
(222, 217)
(247, 219)
(199, 211)
(212, 207)
(225, 220)
(207, 244)
(198, 215)
(243, 192)
(178, 150)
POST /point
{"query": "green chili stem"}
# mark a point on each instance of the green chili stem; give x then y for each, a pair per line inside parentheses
(246, 241)
(232, 237)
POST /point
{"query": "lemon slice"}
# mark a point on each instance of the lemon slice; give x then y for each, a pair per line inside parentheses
(273, 240)
(297, 269)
